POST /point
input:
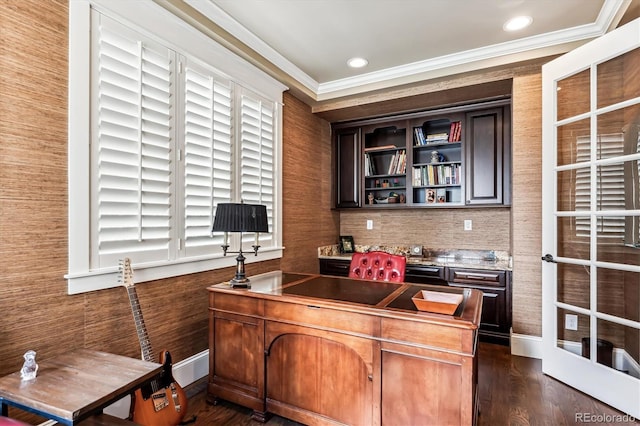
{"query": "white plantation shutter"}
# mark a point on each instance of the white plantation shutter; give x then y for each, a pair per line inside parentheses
(257, 156)
(208, 130)
(158, 137)
(132, 146)
(610, 186)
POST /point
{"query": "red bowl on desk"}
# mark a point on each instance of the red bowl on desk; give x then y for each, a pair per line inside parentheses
(437, 301)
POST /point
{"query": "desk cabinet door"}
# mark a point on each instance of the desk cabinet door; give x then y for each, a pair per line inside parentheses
(320, 376)
(237, 364)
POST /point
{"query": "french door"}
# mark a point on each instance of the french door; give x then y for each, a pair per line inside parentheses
(591, 215)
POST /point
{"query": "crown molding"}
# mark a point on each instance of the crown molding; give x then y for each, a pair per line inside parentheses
(489, 56)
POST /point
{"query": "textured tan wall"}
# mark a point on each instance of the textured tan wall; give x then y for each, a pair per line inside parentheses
(433, 228)
(308, 221)
(526, 211)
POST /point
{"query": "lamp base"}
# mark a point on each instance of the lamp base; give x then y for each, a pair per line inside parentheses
(240, 283)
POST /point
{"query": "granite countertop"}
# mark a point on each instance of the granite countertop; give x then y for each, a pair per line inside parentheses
(476, 259)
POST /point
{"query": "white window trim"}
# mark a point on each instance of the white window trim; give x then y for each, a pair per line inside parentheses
(148, 17)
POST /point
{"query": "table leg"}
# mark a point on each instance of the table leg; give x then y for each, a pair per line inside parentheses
(4, 409)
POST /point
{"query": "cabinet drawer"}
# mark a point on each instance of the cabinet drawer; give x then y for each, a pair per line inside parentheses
(425, 274)
(320, 317)
(336, 267)
(477, 277)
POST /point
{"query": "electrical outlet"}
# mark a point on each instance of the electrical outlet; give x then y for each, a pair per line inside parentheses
(571, 322)
(468, 225)
(369, 224)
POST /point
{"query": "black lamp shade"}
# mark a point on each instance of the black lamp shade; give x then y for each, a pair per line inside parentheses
(240, 217)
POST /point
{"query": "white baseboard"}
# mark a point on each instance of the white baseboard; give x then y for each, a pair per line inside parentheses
(185, 372)
(531, 346)
(526, 345)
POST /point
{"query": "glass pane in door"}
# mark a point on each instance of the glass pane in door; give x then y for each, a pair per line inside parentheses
(573, 95)
(619, 293)
(572, 327)
(573, 237)
(573, 142)
(573, 285)
(619, 79)
(618, 347)
(618, 132)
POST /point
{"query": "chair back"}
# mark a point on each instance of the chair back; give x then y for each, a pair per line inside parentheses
(378, 265)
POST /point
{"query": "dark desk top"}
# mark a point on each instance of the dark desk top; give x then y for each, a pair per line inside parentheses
(75, 385)
(355, 292)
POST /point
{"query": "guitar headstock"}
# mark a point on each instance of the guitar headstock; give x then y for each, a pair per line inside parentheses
(125, 273)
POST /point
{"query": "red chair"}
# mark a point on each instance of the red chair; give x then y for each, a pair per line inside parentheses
(378, 265)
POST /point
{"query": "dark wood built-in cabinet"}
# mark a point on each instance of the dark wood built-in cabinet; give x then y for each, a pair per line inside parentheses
(488, 157)
(453, 157)
(348, 167)
(495, 322)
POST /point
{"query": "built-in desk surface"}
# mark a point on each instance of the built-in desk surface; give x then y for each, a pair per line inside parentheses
(374, 294)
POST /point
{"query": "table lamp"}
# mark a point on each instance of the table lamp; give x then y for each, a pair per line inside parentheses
(240, 217)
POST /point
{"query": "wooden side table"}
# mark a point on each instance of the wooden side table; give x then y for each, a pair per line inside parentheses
(73, 386)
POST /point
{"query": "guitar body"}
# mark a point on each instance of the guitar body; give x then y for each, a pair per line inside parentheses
(161, 403)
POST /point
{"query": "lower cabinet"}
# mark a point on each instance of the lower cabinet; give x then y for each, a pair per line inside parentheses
(495, 322)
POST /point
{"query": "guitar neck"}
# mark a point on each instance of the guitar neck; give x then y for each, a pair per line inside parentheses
(141, 329)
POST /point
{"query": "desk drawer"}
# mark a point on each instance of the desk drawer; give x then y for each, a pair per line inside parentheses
(238, 304)
(320, 317)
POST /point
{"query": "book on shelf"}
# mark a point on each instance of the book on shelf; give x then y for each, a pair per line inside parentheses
(441, 174)
(397, 165)
(441, 195)
(379, 148)
(437, 137)
(418, 137)
(455, 131)
(369, 168)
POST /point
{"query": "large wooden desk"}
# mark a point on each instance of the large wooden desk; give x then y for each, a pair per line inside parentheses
(76, 385)
(330, 350)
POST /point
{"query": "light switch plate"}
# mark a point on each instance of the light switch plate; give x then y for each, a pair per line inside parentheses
(416, 251)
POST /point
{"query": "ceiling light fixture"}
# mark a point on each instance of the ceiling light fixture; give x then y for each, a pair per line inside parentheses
(357, 62)
(517, 23)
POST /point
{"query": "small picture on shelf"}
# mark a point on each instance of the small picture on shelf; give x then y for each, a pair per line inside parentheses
(431, 195)
(346, 244)
(441, 195)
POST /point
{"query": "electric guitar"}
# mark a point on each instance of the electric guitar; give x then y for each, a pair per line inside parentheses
(162, 402)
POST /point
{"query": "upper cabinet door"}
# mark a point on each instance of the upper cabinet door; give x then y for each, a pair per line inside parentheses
(486, 149)
(348, 148)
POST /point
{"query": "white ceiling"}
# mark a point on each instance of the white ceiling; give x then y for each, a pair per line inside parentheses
(404, 40)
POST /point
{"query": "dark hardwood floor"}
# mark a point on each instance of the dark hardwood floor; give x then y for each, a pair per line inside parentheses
(512, 391)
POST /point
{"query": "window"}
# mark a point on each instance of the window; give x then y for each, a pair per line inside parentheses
(171, 135)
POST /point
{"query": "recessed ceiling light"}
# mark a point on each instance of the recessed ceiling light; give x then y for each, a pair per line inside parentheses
(357, 62)
(517, 23)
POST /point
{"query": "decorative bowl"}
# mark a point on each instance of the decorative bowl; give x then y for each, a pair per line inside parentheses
(437, 302)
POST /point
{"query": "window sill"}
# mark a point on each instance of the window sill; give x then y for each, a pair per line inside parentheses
(109, 278)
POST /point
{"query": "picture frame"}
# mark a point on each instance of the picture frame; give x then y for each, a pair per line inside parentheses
(346, 244)
(431, 195)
